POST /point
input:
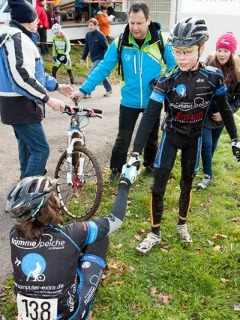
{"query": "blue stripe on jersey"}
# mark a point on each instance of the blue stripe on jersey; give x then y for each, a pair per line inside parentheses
(157, 96)
(92, 232)
(220, 91)
(198, 154)
(157, 163)
(67, 236)
(93, 258)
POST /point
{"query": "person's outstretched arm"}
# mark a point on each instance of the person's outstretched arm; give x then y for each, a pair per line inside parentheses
(109, 224)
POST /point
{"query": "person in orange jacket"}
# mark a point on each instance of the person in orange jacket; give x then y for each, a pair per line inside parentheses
(104, 23)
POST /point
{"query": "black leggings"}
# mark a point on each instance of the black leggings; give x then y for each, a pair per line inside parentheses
(190, 152)
(127, 121)
(90, 270)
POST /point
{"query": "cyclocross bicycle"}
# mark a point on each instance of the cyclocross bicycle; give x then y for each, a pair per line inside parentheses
(79, 175)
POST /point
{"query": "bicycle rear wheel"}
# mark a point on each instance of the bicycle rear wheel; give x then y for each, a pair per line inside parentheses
(80, 200)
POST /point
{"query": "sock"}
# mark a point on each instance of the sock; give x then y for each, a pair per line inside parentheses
(156, 231)
(181, 221)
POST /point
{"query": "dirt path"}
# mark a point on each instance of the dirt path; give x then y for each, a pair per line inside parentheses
(100, 134)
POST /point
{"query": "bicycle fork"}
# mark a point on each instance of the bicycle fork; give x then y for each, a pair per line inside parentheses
(79, 162)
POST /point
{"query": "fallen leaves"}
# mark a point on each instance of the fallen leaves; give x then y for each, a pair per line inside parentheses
(236, 307)
(235, 219)
(223, 280)
(161, 297)
(219, 236)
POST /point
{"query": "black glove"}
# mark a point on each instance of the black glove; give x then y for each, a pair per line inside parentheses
(153, 83)
(62, 58)
(236, 149)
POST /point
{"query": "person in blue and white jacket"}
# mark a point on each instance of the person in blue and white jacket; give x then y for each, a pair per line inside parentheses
(142, 63)
(23, 87)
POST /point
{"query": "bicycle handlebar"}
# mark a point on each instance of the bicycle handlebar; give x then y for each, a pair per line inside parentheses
(91, 112)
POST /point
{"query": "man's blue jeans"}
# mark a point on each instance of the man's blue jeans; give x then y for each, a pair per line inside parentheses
(33, 149)
(106, 83)
(210, 139)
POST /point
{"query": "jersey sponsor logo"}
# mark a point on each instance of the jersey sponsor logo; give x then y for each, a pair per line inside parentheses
(48, 242)
(198, 103)
(181, 90)
(189, 117)
(86, 265)
(94, 280)
(33, 266)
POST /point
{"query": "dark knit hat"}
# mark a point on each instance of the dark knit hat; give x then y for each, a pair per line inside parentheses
(227, 41)
(22, 11)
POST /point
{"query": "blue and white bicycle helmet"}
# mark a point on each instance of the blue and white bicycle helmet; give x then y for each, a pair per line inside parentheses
(188, 32)
(25, 201)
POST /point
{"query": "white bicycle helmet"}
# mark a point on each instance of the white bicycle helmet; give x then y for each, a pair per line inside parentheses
(188, 32)
(56, 27)
(25, 201)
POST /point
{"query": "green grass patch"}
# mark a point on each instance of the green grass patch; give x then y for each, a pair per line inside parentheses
(174, 281)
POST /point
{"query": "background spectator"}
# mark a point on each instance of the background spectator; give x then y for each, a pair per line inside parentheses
(80, 7)
(43, 25)
(228, 62)
(104, 23)
(96, 44)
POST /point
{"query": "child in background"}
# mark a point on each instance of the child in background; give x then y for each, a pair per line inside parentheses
(61, 50)
(228, 62)
(104, 23)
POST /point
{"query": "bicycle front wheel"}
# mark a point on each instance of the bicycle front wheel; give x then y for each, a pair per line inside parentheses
(81, 199)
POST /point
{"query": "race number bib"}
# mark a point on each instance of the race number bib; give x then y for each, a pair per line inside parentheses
(36, 309)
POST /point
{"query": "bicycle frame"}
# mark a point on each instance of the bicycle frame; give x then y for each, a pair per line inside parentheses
(78, 172)
(74, 137)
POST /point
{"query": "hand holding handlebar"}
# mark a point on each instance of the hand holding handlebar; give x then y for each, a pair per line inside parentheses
(90, 112)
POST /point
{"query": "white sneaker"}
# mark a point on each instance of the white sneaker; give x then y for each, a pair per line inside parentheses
(205, 182)
(107, 94)
(147, 244)
(183, 233)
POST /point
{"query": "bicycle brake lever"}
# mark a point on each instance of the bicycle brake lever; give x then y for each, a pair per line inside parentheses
(68, 110)
(91, 113)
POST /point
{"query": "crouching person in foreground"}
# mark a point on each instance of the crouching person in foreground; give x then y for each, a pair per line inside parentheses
(56, 269)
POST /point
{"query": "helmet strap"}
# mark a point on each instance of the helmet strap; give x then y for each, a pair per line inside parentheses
(199, 54)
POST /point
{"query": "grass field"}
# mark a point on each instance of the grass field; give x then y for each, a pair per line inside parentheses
(174, 281)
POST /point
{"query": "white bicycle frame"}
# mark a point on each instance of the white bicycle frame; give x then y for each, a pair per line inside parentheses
(70, 145)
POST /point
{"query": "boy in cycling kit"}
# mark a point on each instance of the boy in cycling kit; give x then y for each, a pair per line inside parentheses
(57, 270)
(187, 91)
